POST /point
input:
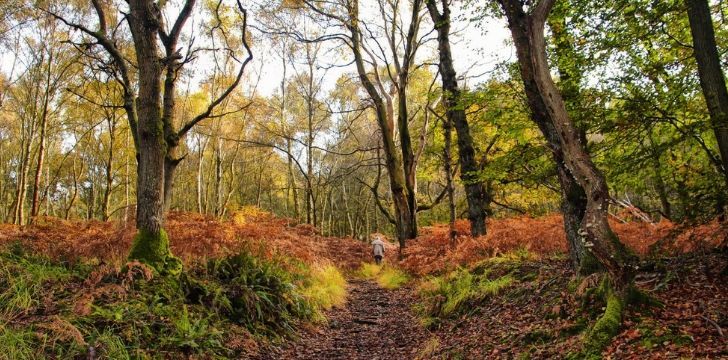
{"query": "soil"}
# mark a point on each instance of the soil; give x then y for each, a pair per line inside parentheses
(374, 324)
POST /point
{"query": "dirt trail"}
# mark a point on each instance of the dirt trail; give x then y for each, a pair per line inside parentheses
(375, 324)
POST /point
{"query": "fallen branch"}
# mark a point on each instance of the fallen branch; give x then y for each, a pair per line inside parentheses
(366, 321)
(715, 324)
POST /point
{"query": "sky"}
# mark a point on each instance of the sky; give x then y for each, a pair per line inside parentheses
(476, 50)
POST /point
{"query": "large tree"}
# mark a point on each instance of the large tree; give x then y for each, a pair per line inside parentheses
(387, 85)
(550, 114)
(150, 104)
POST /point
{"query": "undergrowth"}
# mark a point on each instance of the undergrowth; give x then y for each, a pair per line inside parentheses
(454, 293)
(388, 277)
(49, 309)
(450, 295)
(326, 287)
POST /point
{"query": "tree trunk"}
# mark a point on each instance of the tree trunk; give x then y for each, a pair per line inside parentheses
(404, 222)
(477, 196)
(659, 181)
(711, 75)
(546, 100)
(109, 169)
(42, 145)
(126, 184)
(573, 202)
(409, 163)
(22, 189)
(447, 162)
(72, 200)
(198, 183)
(151, 244)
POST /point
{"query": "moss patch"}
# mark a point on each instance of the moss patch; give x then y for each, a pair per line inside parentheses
(607, 326)
(153, 249)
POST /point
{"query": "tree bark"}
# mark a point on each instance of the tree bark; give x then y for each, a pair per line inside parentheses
(111, 121)
(546, 101)
(573, 198)
(476, 194)
(712, 80)
(447, 164)
(42, 144)
(404, 222)
(409, 163)
(151, 244)
(201, 148)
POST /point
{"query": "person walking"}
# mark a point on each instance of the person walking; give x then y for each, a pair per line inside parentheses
(378, 249)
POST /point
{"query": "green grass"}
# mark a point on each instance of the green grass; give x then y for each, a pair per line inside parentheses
(326, 287)
(392, 278)
(23, 282)
(450, 295)
(369, 270)
(18, 344)
(50, 309)
(388, 277)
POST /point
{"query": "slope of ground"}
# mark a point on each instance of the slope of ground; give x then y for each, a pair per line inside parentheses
(434, 252)
(67, 291)
(80, 302)
(538, 316)
(192, 237)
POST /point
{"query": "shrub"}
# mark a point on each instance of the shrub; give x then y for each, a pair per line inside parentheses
(50, 310)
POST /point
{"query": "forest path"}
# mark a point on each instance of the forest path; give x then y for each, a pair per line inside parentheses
(375, 323)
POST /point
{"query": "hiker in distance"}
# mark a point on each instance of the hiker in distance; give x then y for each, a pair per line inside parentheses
(378, 249)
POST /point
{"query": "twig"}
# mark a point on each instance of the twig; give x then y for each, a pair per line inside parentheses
(710, 321)
(365, 321)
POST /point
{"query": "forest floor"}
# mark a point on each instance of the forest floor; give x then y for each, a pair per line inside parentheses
(534, 317)
(511, 294)
(375, 323)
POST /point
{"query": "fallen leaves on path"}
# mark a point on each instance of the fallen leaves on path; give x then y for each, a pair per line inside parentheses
(375, 324)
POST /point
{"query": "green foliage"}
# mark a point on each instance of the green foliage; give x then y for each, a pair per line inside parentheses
(51, 310)
(326, 287)
(388, 277)
(450, 295)
(259, 295)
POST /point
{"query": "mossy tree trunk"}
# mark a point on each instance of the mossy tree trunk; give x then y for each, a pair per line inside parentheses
(151, 244)
(574, 197)
(566, 142)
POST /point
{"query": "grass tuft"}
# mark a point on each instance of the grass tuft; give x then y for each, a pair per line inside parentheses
(369, 270)
(388, 277)
(450, 295)
(392, 278)
(326, 287)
